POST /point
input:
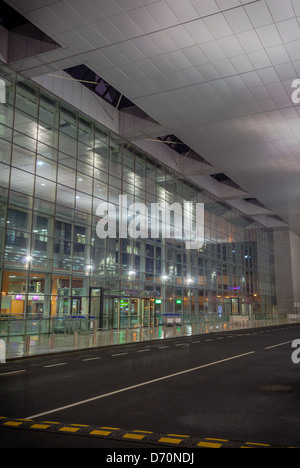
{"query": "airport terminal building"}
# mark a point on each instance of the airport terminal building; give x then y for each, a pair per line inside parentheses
(71, 141)
(57, 166)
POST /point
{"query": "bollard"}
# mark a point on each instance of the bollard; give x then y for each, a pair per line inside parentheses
(111, 336)
(95, 332)
(193, 329)
(127, 335)
(75, 339)
(53, 341)
(27, 344)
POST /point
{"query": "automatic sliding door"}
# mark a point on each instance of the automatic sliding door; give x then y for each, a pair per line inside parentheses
(146, 312)
(134, 316)
(127, 312)
(76, 306)
(111, 313)
(96, 306)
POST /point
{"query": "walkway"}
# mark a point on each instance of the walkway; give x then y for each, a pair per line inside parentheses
(31, 345)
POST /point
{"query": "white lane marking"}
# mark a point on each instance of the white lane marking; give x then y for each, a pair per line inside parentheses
(55, 365)
(98, 397)
(90, 359)
(163, 347)
(119, 354)
(143, 350)
(12, 372)
(279, 344)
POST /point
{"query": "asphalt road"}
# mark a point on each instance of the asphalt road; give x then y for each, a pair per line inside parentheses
(235, 388)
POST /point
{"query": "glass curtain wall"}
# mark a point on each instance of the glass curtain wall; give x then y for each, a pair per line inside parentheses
(56, 167)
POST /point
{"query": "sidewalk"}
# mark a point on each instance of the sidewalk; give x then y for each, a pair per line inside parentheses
(19, 347)
(31, 345)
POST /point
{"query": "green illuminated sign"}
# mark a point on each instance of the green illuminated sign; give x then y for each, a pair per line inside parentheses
(178, 301)
(158, 301)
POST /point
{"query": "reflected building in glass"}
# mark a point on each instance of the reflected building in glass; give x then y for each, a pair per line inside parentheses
(57, 166)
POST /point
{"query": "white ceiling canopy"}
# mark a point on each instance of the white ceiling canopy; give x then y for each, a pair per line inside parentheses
(217, 74)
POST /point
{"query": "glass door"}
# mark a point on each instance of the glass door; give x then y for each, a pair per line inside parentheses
(227, 307)
(235, 306)
(76, 306)
(108, 313)
(127, 312)
(134, 312)
(95, 302)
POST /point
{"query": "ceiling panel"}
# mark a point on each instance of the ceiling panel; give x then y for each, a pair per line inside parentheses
(215, 73)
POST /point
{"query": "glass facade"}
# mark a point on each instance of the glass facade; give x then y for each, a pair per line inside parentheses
(57, 166)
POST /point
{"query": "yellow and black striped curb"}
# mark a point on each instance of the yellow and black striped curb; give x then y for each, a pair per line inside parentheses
(114, 433)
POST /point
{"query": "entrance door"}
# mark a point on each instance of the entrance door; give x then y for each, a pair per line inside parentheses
(127, 312)
(231, 306)
(76, 306)
(95, 305)
(235, 306)
(146, 308)
(227, 307)
(117, 312)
